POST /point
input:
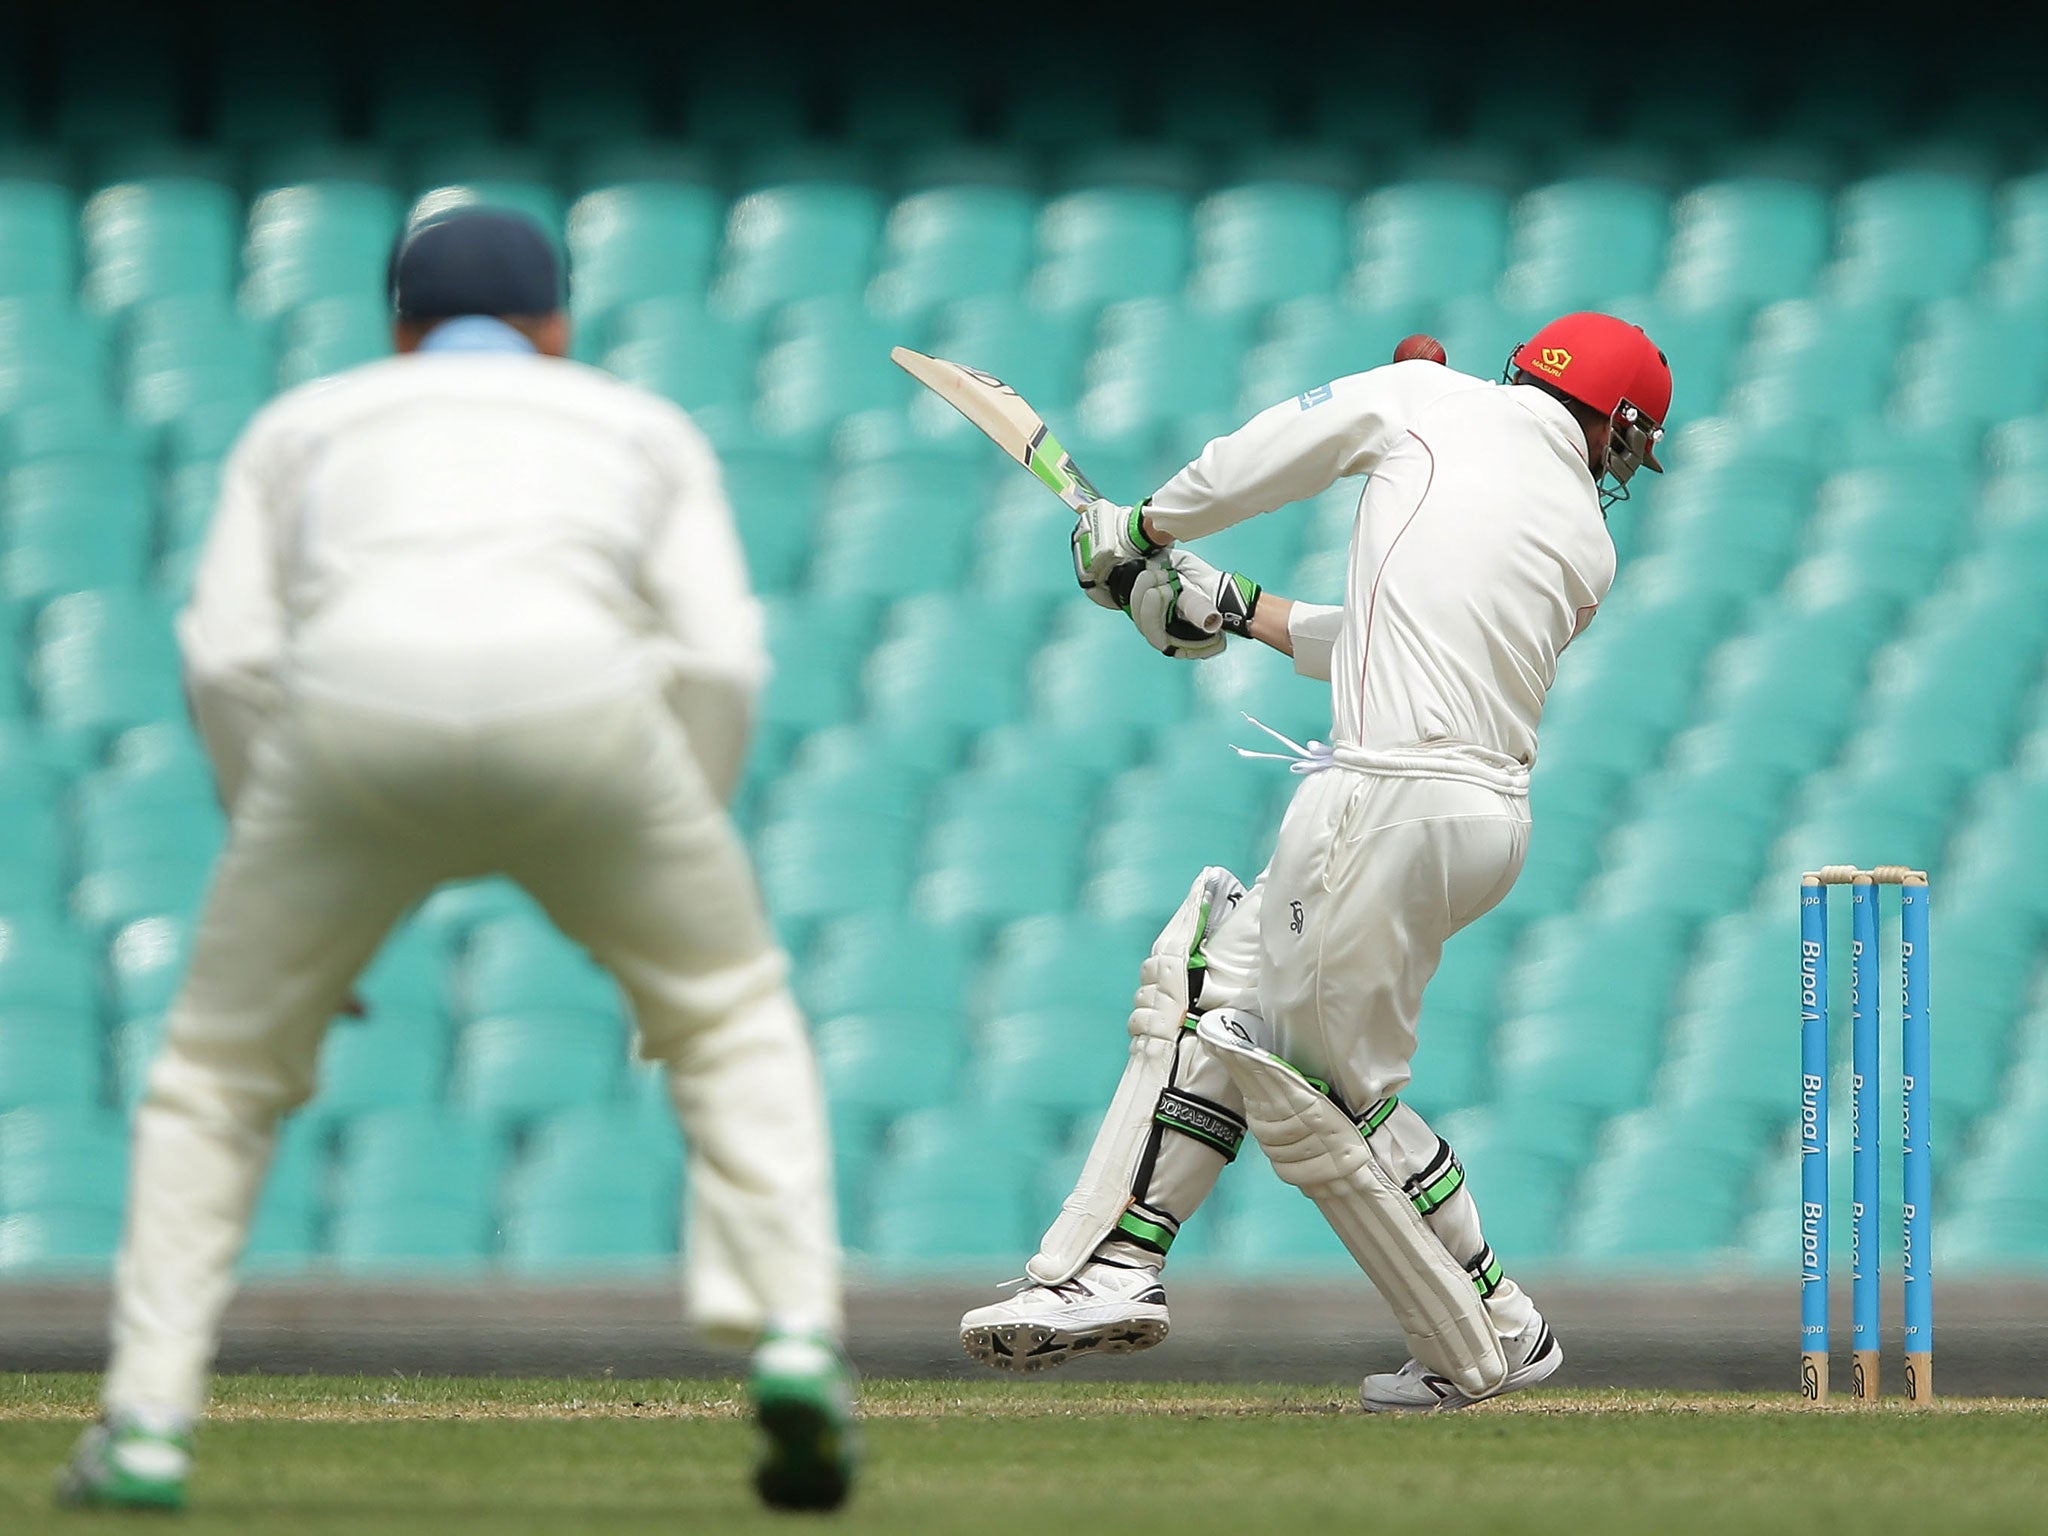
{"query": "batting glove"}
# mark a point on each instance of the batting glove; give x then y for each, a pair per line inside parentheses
(1184, 606)
(1107, 539)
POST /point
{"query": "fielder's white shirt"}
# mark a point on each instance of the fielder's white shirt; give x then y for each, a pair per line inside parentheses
(1478, 552)
(463, 534)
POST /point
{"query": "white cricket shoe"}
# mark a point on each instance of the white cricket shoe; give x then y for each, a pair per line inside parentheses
(1106, 1309)
(1533, 1354)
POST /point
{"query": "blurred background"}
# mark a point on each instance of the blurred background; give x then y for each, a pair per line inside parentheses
(1825, 644)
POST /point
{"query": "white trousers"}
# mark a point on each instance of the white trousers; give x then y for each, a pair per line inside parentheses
(352, 815)
(1334, 945)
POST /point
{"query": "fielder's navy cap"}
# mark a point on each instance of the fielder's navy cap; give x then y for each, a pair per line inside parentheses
(474, 261)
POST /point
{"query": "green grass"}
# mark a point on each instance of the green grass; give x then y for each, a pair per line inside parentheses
(309, 1455)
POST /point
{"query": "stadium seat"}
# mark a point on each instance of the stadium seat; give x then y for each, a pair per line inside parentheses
(1810, 359)
(59, 1159)
(800, 241)
(47, 978)
(950, 1187)
(683, 352)
(326, 335)
(1661, 1189)
(1103, 244)
(1746, 241)
(874, 512)
(949, 243)
(829, 358)
(855, 966)
(1426, 242)
(1911, 235)
(522, 969)
(1970, 365)
(883, 1064)
(1159, 360)
(641, 240)
(1266, 242)
(318, 240)
(944, 662)
(1574, 244)
(416, 1186)
(394, 1059)
(38, 239)
(1036, 350)
(159, 239)
(997, 849)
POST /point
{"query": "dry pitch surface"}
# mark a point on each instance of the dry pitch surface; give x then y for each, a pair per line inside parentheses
(309, 1455)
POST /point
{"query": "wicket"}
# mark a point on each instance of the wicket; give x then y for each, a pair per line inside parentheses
(1865, 1138)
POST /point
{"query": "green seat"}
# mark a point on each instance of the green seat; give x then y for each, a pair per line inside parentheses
(1075, 973)
(1036, 351)
(1990, 1236)
(1575, 244)
(1427, 241)
(62, 1159)
(418, 1156)
(829, 359)
(1661, 1190)
(189, 349)
(1019, 539)
(1792, 716)
(953, 242)
(571, 1234)
(953, 1184)
(1825, 357)
(1273, 1226)
(64, 1240)
(640, 240)
(45, 1066)
(1747, 240)
(369, 1235)
(533, 1058)
(887, 963)
(1242, 682)
(47, 978)
(975, 867)
(390, 1060)
(284, 1230)
(1867, 514)
(1103, 244)
(1864, 820)
(2020, 273)
(799, 241)
(815, 868)
(1971, 365)
(1266, 242)
(1461, 1008)
(62, 542)
(947, 662)
(1912, 235)
(1157, 360)
(325, 336)
(524, 970)
(1160, 690)
(156, 239)
(318, 240)
(680, 350)
(817, 646)
(889, 1063)
(1729, 526)
(38, 240)
(1608, 967)
(2002, 833)
(145, 963)
(774, 498)
(456, 911)
(846, 774)
(875, 512)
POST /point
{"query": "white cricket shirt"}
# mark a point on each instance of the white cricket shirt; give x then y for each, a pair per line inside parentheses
(1478, 552)
(457, 535)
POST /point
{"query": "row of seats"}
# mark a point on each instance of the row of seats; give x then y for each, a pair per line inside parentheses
(1905, 235)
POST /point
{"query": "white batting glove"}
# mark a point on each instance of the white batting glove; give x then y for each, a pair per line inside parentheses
(1184, 606)
(1107, 538)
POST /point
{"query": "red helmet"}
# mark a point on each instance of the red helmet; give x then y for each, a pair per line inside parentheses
(1607, 364)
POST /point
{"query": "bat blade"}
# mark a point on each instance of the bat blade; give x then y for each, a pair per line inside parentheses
(1006, 418)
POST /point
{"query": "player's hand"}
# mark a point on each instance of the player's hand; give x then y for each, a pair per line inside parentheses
(1184, 606)
(1108, 539)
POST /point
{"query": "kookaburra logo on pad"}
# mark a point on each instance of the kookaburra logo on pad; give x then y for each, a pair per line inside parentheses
(1299, 919)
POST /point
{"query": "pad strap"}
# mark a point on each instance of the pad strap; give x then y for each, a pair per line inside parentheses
(1202, 1119)
(1486, 1272)
(1442, 1178)
(1148, 1228)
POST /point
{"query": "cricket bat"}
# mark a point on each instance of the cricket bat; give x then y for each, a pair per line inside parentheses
(1007, 419)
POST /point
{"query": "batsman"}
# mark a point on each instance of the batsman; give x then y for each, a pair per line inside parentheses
(1288, 1010)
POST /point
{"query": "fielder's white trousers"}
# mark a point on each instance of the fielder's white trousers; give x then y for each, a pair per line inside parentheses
(350, 816)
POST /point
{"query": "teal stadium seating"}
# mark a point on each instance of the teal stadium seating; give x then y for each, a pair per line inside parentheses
(973, 797)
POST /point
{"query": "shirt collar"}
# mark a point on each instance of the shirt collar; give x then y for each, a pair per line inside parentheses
(475, 333)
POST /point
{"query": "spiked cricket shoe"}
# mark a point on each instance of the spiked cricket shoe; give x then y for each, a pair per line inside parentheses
(1533, 1355)
(1106, 1309)
(802, 1391)
(126, 1462)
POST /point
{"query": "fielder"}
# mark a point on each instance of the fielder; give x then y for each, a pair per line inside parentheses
(1288, 1010)
(477, 609)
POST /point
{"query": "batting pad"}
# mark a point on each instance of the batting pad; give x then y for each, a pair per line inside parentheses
(1104, 1190)
(1317, 1148)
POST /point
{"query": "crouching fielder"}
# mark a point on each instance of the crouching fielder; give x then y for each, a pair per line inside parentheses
(1288, 1011)
(477, 609)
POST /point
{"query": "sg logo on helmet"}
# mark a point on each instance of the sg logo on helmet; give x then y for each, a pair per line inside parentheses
(1556, 359)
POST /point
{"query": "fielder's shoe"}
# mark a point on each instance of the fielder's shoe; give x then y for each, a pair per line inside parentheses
(802, 1390)
(1107, 1309)
(128, 1461)
(1533, 1354)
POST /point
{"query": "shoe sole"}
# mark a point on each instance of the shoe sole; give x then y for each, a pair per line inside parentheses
(1542, 1368)
(808, 1466)
(1042, 1346)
